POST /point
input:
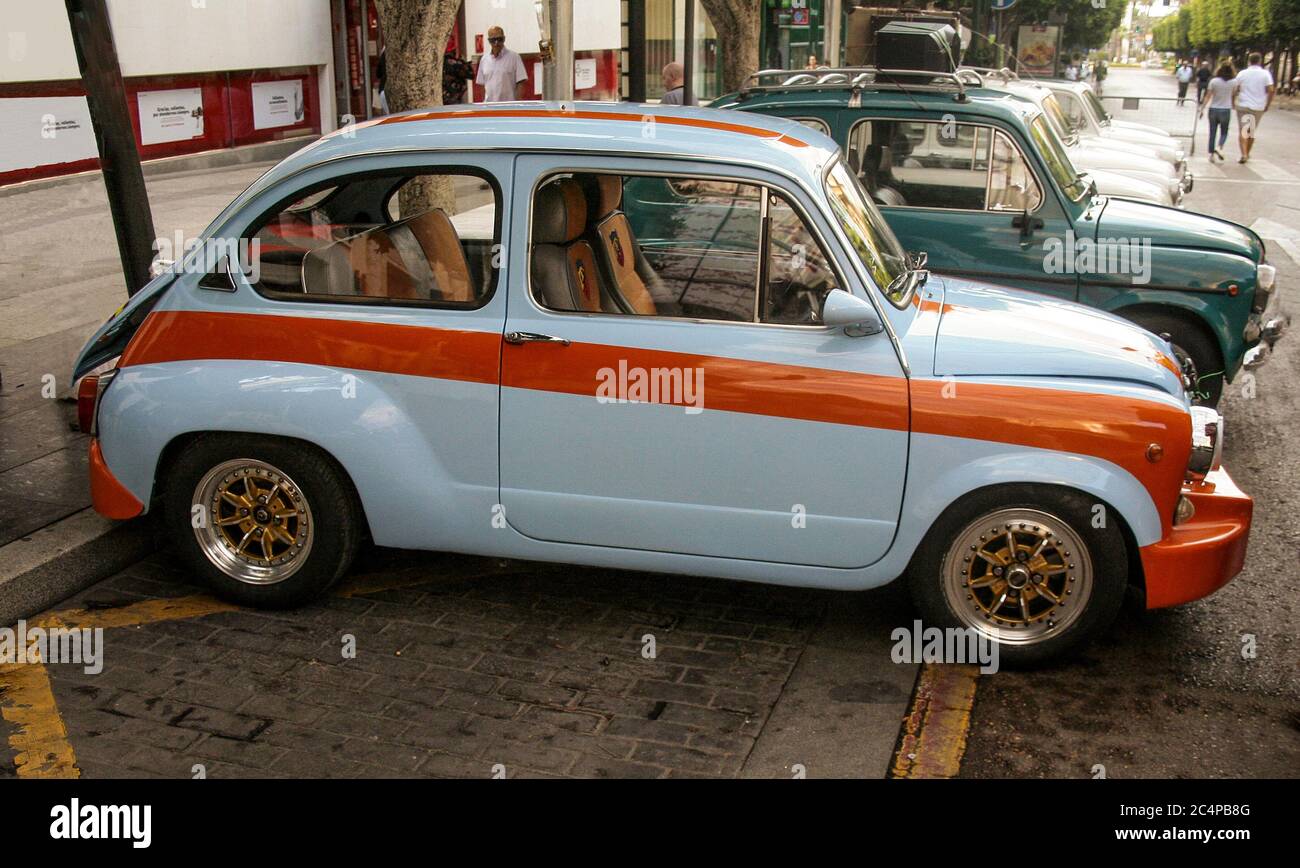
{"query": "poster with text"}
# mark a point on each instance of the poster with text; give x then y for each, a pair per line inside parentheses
(45, 131)
(1036, 49)
(584, 73)
(170, 115)
(277, 104)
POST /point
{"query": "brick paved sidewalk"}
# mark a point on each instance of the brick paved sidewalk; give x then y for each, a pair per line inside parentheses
(534, 669)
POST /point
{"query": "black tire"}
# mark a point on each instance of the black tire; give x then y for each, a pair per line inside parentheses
(1190, 340)
(335, 527)
(1105, 547)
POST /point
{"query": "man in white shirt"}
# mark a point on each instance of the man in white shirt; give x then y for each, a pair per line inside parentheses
(1184, 74)
(501, 73)
(1253, 97)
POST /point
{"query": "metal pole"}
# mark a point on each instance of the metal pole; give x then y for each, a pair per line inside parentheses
(128, 201)
(636, 49)
(365, 58)
(557, 76)
(688, 59)
(832, 15)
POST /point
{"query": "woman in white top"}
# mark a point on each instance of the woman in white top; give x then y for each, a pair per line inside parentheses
(1218, 99)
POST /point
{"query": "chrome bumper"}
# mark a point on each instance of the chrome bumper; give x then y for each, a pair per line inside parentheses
(1189, 181)
(1264, 329)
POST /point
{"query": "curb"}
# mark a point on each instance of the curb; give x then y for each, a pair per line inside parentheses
(52, 564)
(204, 160)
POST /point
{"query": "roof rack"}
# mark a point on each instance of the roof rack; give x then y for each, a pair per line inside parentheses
(858, 79)
(1006, 73)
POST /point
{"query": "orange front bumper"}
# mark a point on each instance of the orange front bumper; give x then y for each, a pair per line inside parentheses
(1203, 554)
(110, 498)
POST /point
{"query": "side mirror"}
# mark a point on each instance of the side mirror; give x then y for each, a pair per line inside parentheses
(857, 316)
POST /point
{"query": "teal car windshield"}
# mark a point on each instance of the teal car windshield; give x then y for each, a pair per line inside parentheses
(870, 235)
(1058, 161)
(1058, 121)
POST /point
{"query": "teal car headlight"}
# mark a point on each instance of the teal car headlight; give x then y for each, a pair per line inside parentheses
(1265, 278)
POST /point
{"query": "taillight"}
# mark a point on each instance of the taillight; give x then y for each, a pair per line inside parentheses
(87, 396)
(92, 386)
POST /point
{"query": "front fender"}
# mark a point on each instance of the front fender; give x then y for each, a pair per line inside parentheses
(943, 470)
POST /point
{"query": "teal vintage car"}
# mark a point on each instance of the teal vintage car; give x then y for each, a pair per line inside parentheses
(977, 180)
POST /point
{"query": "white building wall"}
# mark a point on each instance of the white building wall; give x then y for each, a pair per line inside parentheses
(164, 37)
(597, 24)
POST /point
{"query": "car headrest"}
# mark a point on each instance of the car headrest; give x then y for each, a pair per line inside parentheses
(559, 212)
(608, 194)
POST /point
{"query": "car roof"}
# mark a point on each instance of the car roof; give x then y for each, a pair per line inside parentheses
(979, 101)
(601, 128)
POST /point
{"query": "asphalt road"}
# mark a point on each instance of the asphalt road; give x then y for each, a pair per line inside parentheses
(1169, 693)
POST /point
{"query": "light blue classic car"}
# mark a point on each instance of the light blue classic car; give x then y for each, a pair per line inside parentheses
(439, 331)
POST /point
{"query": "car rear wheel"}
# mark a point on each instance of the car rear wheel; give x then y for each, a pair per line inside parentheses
(266, 522)
(1039, 570)
(1195, 351)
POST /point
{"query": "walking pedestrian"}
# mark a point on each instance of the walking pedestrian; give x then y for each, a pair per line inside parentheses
(1184, 74)
(1253, 97)
(1218, 102)
(501, 72)
(1099, 76)
(1203, 76)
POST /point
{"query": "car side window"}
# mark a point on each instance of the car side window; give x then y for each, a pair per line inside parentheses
(814, 124)
(922, 164)
(1012, 185)
(695, 248)
(931, 164)
(408, 238)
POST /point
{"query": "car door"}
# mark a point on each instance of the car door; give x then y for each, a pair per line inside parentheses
(770, 437)
(985, 219)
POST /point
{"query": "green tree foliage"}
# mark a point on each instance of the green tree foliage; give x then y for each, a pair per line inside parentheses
(1211, 24)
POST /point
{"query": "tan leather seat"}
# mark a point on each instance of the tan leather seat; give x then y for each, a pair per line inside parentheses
(629, 274)
(419, 258)
(565, 274)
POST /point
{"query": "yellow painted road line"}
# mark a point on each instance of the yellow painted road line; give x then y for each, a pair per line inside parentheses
(934, 731)
(144, 612)
(39, 739)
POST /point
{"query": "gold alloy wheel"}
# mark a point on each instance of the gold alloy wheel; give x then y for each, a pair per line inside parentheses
(255, 525)
(1018, 575)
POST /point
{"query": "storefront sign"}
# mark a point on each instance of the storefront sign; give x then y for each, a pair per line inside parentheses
(170, 115)
(277, 104)
(45, 131)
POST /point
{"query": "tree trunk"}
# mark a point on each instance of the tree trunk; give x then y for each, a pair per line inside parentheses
(415, 36)
(736, 22)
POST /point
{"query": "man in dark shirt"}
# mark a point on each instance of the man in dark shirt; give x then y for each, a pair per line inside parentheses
(1203, 76)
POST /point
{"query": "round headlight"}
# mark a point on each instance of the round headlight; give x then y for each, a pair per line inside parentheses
(1207, 443)
(1265, 274)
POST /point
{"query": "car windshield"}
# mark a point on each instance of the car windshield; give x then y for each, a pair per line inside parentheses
(870, 235)
(1057, 159)
(1098, 110)
(1058, 121)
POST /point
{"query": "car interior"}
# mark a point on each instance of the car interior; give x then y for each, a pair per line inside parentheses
(351, 241)
(673, 247)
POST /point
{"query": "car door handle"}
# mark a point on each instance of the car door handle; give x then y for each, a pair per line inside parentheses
(534, 337)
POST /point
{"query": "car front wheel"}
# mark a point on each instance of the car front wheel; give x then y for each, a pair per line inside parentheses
(1039, 570)
(266, 522)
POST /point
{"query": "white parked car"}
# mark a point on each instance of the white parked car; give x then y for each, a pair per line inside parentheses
(1088, 117)
(1094, 155)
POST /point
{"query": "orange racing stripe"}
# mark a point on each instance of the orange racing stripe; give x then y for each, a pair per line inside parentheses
(1114, 428)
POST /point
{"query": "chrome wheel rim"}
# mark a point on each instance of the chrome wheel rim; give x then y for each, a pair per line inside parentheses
(1020, 576)
(255, 525)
